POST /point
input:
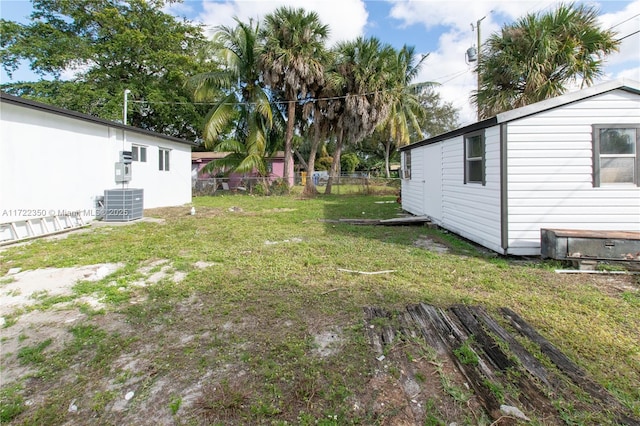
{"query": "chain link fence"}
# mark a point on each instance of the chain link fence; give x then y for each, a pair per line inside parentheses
(340, 185)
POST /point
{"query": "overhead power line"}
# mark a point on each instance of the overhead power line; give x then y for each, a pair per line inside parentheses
(452, 75)
(459, 74)
(628, 35)
(626, 20)
(273, 102)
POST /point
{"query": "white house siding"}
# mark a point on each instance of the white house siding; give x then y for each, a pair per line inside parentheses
(54, 163)
(472, 210)
(549, 164)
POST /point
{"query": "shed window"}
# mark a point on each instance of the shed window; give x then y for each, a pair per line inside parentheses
(407, 165)
(163, 159)
(474, 158)
(615, 154)
(139, 153)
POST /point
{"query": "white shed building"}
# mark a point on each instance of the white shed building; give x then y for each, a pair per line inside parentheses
(54, 160)
(571, 162)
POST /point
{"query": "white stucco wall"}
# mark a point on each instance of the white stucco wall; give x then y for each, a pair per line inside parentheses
(54, 163)
(161, 188)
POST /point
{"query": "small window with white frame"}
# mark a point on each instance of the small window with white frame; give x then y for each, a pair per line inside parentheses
(406, 173)
(474, 157)
(163, 159)
(139, 153)
(615, 154)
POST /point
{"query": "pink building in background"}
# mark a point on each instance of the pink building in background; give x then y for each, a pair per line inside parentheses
(199, 160)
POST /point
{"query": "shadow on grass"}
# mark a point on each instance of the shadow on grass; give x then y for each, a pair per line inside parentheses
(414, 235)
(385, 207)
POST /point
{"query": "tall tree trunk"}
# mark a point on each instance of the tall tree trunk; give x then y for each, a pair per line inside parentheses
(387, 154)
(336, 163)
(288, 158)
(303, 163)
(310, 187)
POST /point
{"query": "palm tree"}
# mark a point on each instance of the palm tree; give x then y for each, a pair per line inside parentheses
(406, 112)
(322, 113)
(245, 104)
(293, 63)
(365, 68)
(539, 55)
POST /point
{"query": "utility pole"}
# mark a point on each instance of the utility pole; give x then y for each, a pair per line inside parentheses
(479, 56)
(124, 111)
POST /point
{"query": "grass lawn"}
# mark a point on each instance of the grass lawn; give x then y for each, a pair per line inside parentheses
(269, 330)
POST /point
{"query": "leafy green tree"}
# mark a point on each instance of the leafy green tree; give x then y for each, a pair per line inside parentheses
(293, 63)
(111, 45)
(349, 161)
(240, 99)
(371, 152)
(539, 55)
(439, 116)
(324, 163)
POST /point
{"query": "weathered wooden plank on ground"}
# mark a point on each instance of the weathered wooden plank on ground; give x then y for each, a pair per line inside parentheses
(530, 363)
(530, 394)
(575, 373)
(371, 313)
(408, 220)
(493, 352)
(396, 221)
(452, 336)
(501, 361)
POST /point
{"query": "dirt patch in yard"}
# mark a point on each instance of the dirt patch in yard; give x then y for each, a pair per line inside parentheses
(612, 285)
(174, 213)
(26, 323)
(25, 288)
(189, 361)
(431, 245)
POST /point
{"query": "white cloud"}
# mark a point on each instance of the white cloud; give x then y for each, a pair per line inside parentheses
(345, 18)
(445, 64)
(178, 9)
(457, 79)
(459, 14)
(626, 62)
(630, 73)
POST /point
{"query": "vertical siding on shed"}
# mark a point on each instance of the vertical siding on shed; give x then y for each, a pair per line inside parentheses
(412, 196)
(432, 182)
(472, 210)
(549, 158)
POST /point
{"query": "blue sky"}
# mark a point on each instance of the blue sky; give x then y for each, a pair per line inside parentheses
(441, 28)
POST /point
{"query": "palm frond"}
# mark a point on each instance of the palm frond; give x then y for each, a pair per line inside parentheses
(218, 118)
